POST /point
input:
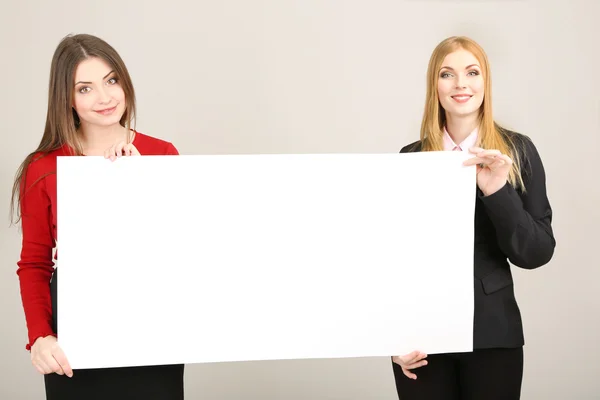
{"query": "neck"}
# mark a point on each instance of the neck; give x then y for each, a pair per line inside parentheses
(96, 139)
(461, 126)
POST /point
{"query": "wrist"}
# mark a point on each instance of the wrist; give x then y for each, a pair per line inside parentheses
(41, 338)
(488, 191)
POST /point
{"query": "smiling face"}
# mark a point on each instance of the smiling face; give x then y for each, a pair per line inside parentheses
(98, 98)
(460, 84)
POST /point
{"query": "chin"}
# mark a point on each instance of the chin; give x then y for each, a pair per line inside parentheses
(105, 121)
(464, 113)
(460, 111)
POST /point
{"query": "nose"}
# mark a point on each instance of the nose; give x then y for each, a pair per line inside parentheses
(460, 83)
(103, 96)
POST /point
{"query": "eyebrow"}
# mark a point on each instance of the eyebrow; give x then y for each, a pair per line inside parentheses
(89, 83)
(468, 66)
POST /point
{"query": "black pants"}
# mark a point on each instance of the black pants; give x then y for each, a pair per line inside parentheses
(163, 382)
(491, 374)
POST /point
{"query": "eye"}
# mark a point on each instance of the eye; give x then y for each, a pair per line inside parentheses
(445, 74)
(473, 73)
(112, 81)
(84, 89)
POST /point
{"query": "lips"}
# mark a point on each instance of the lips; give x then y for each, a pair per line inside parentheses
(107, 111)
(462, 98)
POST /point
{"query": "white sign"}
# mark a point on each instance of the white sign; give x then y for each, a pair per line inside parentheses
(194, 259)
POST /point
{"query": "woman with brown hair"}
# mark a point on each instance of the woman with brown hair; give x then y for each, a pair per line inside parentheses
(512, 224)
(91, 105)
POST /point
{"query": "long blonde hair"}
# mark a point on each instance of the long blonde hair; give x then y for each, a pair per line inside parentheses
(62, 122)
(491, 135)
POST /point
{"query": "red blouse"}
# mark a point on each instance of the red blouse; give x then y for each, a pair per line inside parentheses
(38, 219)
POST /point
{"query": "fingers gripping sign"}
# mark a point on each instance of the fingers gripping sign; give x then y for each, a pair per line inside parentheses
(493, 169)
(47, 357)
(411, 361)
(121, 149)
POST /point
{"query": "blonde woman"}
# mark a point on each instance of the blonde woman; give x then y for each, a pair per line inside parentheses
(512, 224)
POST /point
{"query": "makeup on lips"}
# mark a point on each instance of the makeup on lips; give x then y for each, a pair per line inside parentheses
(107, 111)
(461, 98)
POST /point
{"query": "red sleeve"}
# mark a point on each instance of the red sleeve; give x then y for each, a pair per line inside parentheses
(171, 150)
(35, 267)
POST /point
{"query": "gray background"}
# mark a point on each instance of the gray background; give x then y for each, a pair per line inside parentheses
(283, 76)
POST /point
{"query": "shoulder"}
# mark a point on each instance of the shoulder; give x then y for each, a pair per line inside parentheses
(517, 139)
(521, 143)
(150, 145)
(529, 158)
(38, 178)
(42, 164)
(412, 147)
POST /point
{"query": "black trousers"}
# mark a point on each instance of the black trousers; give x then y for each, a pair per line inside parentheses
(162, 382)
(490, 374)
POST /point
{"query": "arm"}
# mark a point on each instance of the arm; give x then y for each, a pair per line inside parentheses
(35, 267)
(523, 221)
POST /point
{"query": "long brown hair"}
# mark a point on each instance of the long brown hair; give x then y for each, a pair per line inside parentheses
(491, 134)
(62, 122)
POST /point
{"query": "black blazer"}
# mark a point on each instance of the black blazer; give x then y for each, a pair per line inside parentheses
(514, 227)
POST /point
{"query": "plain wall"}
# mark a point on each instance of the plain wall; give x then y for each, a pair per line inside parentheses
(283, 76)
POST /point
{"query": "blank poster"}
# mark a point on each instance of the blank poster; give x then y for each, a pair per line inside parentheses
(214, 258)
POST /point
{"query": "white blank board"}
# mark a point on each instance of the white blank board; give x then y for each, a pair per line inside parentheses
(195, 259)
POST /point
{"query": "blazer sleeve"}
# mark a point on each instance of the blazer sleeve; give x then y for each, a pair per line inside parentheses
(523, 221)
